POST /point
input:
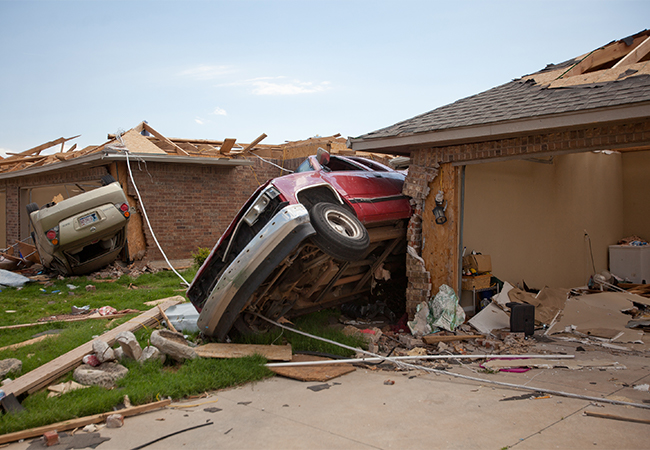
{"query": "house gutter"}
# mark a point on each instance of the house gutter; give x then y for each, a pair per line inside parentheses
(500, 130)
(108, 156)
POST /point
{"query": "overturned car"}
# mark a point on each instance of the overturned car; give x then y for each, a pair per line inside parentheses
(303, 242)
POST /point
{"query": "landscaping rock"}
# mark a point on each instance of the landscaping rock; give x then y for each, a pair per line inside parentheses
(151, 352)
(103, 352)
(118, 353)
(104, 375)
(129, 345)
(172, 344)
(10, 365)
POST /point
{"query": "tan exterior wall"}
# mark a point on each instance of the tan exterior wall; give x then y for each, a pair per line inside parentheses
(531, 217)
(636, 194)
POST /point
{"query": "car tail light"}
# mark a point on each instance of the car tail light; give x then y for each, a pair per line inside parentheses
(124, 209)
(53, 235)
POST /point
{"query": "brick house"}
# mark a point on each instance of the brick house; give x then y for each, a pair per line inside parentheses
(191, 189)
(542, 173)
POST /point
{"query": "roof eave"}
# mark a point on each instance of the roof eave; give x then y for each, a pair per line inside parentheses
(499, 130)
(108, 156)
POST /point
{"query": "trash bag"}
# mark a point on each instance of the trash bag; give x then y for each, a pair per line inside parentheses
(441, 312)
(12, 279)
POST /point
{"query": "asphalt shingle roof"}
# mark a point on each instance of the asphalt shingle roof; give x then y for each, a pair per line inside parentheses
(522, 99)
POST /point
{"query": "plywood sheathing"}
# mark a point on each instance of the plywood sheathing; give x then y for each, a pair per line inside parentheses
(440, 242)
(137, 143)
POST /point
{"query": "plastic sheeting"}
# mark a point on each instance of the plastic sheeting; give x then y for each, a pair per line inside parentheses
(441, 312)
(12, 279)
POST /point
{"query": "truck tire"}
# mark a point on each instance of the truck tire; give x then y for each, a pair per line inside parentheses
(31, 208)
(107, 179)
(338, 232)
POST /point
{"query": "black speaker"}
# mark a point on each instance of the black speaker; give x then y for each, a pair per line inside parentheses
(522, 318)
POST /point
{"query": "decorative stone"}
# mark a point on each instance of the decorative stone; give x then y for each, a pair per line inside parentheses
(103, 352)
(10, 365)
(151, 352)
(104, 375)
(129, 345)
(172, 344)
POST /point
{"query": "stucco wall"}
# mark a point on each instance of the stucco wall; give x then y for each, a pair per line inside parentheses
(531, 217)
(636, 194)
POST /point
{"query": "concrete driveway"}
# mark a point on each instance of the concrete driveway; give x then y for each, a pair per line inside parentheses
(420, 410)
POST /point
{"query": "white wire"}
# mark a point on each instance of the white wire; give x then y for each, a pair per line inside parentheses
(273, 164)
(144, 213)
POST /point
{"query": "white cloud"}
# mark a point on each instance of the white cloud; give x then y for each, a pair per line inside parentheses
(219, 112)
(207, 72)
(200, 121)
(269, 86)
(290, 88)
(3, 152)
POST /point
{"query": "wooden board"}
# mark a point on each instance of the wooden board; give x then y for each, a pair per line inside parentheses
(47, 373)
(227, 146)
(440, 251)
(28, 342)
(81, 422)
(136, 143)
(73, 319)
(312, 373)
(433, 339)
(270, 352)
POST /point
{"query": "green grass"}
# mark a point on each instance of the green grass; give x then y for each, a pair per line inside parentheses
(144, 383)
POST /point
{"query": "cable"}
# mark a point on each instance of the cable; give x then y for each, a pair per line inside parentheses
(144, 212)
(172, 434)
(273, 164)
(457, 375)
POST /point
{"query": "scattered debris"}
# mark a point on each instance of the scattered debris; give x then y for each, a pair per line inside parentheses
(270, 352)
(10, 365)
(172, 344)
(57, 390)
(115, 421)
(312, 373)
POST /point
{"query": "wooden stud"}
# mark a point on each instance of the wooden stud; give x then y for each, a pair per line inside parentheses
(635, 55)
(270, 352)
(179, 150)
(250, 146)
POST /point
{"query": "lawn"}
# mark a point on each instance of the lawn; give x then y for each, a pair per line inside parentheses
(144, 383)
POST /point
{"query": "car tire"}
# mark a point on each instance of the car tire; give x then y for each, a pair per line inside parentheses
(338, 232)
(107, 179)
(31, 208)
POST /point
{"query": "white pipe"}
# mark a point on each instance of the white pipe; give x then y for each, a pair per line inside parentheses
(400, 358)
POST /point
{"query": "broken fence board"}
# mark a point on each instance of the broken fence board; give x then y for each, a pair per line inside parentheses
(28, 342)
(312, 373)
(80, 422)
(270, 352)
(47, 373)
(433, 339)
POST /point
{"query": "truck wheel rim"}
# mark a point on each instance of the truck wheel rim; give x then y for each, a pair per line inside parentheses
(342, 224)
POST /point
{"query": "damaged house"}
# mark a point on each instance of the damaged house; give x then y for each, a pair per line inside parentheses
(191, 189)
(542, 173)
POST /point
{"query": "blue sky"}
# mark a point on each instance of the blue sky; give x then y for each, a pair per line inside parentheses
(290, 69)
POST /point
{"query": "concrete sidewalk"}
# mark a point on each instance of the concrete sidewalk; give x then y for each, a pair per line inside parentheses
(419, 410)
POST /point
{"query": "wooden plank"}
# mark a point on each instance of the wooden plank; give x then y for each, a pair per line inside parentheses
(47, 373)
(615, 417)
(250, 146)
(166, 319)
(75, 319)
(81, 421)
(36, 150)
(179, 150)
(434, 339)
(635, 55)
(9, 161)
(312, 373)
(28, 342)
(227, 146)
(270, 352)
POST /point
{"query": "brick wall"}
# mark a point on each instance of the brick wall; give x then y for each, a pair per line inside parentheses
(425, 165)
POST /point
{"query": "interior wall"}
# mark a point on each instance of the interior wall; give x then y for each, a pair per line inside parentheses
(636, 194)
(531, 217)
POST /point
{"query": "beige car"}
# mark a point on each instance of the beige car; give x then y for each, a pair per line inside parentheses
(83, 233)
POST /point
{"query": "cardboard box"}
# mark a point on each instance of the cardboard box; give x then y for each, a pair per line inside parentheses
(476, 282)
(480, 263)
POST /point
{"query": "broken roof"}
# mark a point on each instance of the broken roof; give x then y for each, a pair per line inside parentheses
(146, 143)
(609, 83)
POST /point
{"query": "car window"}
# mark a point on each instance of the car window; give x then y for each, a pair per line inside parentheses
(337, 164)
(305, 166)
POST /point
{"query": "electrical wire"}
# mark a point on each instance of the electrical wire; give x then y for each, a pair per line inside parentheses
(144, 212)
(458, 375)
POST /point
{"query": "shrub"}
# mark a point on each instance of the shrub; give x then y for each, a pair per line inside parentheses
(201, 255)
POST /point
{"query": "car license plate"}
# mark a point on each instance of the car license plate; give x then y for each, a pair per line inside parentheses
(86, 220)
